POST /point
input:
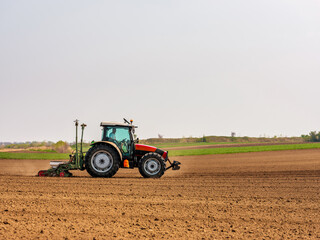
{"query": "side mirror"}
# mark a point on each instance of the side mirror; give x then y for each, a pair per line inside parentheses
(136, 141)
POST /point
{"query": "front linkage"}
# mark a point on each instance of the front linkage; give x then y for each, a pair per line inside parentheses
(174, 165)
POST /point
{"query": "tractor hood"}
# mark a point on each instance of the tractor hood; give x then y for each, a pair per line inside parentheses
(143, 149)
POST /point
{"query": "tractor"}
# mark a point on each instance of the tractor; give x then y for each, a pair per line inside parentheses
(117, 149)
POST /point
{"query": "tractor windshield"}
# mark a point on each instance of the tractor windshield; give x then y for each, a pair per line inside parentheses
(120, 136)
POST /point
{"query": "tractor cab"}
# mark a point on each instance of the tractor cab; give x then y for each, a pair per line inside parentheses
(121, 135)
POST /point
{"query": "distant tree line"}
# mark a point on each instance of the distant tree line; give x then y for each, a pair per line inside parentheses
(220, 139)
(313, 136)
(62, 147)
(24, 145)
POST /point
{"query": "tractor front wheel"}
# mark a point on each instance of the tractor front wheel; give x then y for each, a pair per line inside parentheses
(102, 161)
(151, 165)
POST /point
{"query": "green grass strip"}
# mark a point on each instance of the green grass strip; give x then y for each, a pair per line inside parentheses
(228, 150)
(187, 152)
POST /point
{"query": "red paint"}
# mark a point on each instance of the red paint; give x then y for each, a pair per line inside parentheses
(164, 155)
(146, 148)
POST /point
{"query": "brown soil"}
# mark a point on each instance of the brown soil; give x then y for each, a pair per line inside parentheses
(269, 195)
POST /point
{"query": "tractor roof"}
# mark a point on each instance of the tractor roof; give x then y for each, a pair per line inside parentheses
(116, 124)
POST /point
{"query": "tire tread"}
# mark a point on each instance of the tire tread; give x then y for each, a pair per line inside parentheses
(92, 151)
(151, 155)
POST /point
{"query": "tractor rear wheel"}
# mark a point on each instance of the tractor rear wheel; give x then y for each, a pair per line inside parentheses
(151, 165)
(102, 161)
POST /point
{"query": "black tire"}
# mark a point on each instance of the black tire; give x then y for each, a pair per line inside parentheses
(102, 161)
(152, 165)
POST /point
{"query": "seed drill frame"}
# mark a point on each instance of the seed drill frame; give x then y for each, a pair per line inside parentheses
(76, 162)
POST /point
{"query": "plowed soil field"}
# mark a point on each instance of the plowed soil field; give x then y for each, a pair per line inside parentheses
(267, 195)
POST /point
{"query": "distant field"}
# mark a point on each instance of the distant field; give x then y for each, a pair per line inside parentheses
(185, 152)
(228, 150)
(169, 145)
(208, 140)
(48, 156)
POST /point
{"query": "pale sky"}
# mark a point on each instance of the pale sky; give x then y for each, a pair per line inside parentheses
(178, 68)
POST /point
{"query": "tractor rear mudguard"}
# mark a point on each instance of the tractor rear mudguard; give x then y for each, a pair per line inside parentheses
(174, 165)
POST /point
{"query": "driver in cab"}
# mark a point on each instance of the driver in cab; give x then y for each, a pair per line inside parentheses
(112, 135)
(122, 145)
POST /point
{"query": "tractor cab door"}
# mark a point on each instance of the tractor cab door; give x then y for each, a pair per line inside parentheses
(122, 137)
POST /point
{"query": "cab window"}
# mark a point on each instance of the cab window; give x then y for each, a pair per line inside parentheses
(118, 135)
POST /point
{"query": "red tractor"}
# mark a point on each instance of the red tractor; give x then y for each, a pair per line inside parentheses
(117, 149)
